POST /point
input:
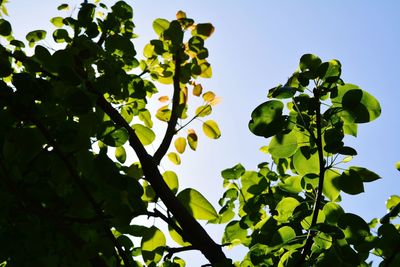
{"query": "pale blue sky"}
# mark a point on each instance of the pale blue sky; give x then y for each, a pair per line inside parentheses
(256, 45)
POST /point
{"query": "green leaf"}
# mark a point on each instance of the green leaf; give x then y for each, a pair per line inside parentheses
(234, 234)
(174, 158)
(285, 209)
(177, 237)
(211, 129)
(332, 212)
(283, 145)
(197, 90)
(192, 140)
(392, 202)
(180, 144)
(306, 161)
(5, 28)
(153, 245)
(63, 7)
(145, 134)
(330, 189)
(309, 65)
(197, 204)
(171, 179)
(163, 113)
(35, 36)
(365, 174)
(57, 21)
(115, 137)
(358, 104)
(283, 235)
(203, 29)
(120, 154)
(291, 184)
(330, 71)
(266, 119)
(233, 173)
(397, 165)
(61, 36)
(145, 116)
(351, 182)
(306, 222)
(160, 25)
(354, 228)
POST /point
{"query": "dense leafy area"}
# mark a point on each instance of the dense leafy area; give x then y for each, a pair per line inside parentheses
(68, 193)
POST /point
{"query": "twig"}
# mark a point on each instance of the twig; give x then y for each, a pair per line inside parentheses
(172, 251)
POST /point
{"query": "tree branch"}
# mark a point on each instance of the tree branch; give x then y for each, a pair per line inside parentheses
(309, 241)
(172, 251)
(196, 234)
(169, 221)
(171, 131)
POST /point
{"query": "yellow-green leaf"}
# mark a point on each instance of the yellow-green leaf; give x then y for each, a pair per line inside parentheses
(120, 154)
(174, 158)
(192, 139)
(211, 129)
(57, 21)
(197, 204)
(145, 134)
(153, 245)
(180, 144)
(171, 179)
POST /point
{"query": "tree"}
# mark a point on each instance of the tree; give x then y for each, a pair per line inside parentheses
(68, 118)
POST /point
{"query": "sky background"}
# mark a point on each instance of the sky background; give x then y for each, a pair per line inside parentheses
(257, 45)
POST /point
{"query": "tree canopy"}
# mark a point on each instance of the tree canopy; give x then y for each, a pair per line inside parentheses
(70, 117)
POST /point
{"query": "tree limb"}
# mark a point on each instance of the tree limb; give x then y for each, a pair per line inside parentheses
(171, 131)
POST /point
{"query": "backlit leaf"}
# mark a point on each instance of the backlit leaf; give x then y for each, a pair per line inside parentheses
(351, 182)
(234, 234)
(197, 204)
(180, 144)
(171, 179)
(120, 154)
(266, 119)
(192, 139)
(397, 165)
(153, 245)
(57, 21)
(197, 90)
(233, 173)
(208, 96)
(145, 134)
(283, 145)
(211, 129)
(285, 209)
(35, 36)
(174, 158)
(5, 27)
(331, 189)
(306, 161)
(203, 111)
(203, 29)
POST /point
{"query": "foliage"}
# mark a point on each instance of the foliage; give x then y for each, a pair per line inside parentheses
(69, 117)
(289, 209)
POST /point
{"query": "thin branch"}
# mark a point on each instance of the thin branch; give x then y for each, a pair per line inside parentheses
(171, 131)
(194, 117)
(307, 247)
(169, 221)
(172, 251)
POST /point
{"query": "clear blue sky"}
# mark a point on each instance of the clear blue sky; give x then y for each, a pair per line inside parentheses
(256, 45)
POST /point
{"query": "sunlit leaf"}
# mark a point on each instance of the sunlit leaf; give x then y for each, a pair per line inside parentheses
(332, 212)
(208, 96)
(153, 245)
(283, 235)
(211, 129)
(120, 154)
(203, 29)
(192, 139)
(180, 144)
(163, 98)
(331, 188)
(306, 161)
(203, 111)
(57, 21)
(234, 234)
(197, 204)
(171, 179)
(35, 36)
(233, 173)
(283, 145)
(177, 237)
(174, 158)
(291, 184)
(197, 89)
(285, 209)
(397, 165)
(266, 119)
(145, 134)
